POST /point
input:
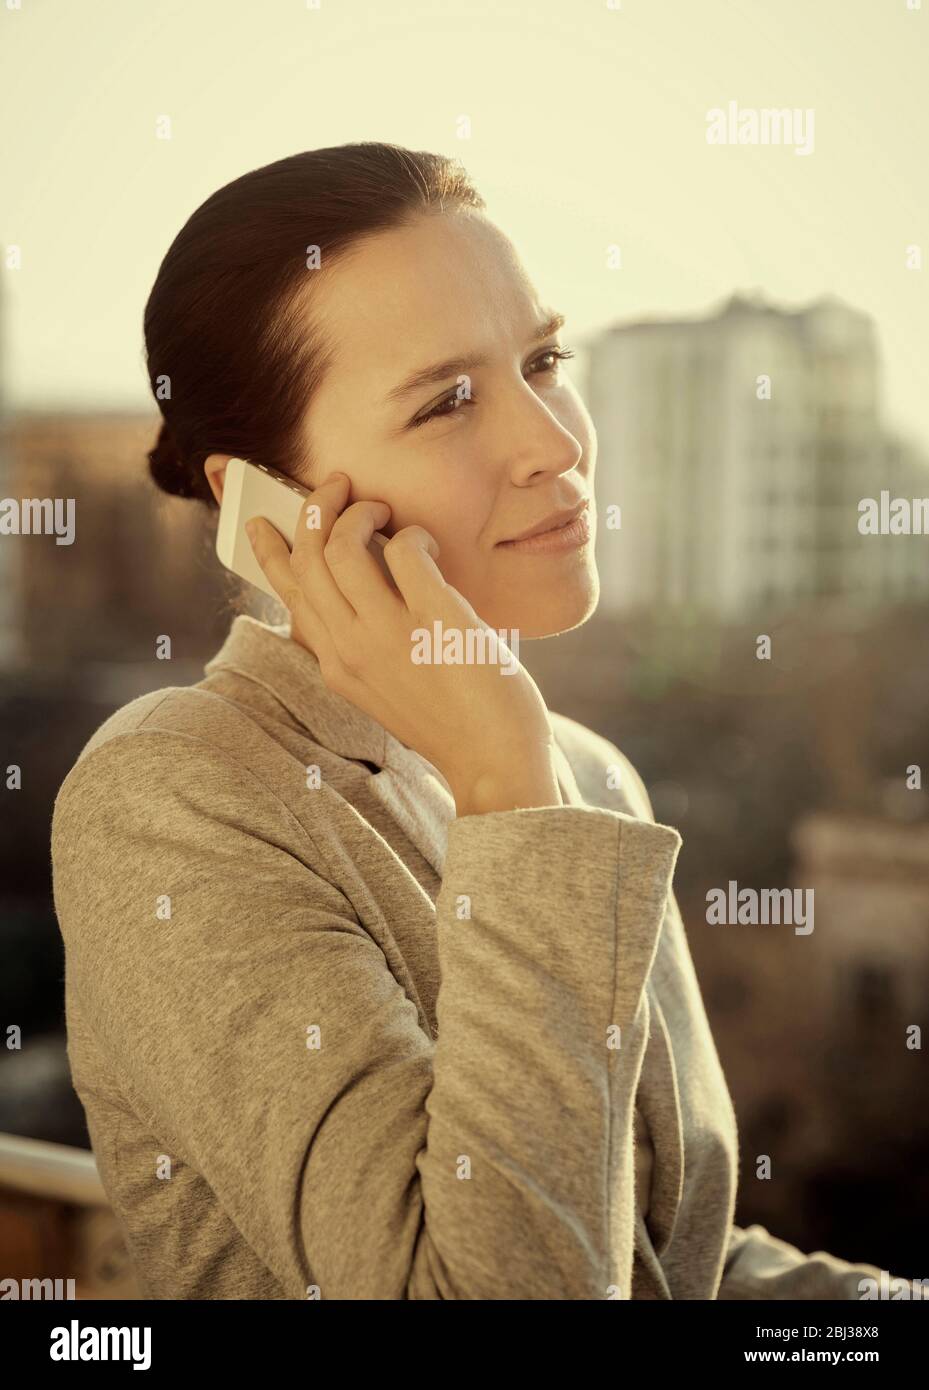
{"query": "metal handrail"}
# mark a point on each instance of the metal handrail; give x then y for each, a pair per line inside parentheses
(50, 1170)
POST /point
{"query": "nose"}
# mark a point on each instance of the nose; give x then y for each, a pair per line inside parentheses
(538, 445)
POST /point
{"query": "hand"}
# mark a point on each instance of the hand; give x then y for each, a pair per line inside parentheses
(486, 732)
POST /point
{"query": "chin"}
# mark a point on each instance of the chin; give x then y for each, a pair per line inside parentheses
(548, 610)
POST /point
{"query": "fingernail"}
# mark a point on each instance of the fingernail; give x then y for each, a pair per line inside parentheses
(336, 477)
(250, 529)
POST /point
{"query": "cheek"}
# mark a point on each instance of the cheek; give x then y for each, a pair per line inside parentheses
(460, 526)
(443, 501)
(457, 528)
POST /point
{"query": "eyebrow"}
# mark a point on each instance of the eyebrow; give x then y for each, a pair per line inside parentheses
(440, 371)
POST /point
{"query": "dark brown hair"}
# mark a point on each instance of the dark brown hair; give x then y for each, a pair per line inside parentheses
(232, 354)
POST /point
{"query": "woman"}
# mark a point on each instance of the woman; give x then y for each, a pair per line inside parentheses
(376, 983)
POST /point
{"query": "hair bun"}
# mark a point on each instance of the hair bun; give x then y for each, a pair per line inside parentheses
(169, 470)
(164, 461)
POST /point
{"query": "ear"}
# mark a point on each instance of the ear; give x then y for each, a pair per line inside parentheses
(215, 469)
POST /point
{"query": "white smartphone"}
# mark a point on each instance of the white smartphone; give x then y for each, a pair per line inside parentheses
(251, 489)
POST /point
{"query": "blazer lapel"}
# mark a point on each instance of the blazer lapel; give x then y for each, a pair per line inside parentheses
(419, 799)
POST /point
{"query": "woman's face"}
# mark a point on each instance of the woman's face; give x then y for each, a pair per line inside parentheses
(511, 441)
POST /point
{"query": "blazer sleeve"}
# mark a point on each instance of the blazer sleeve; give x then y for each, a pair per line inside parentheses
(259, 1031)
(760, 1266)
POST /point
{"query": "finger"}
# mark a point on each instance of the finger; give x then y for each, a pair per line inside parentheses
(411, 555)
(279, 572)
(273, 556)
(353, 564)
(275, 562)
(314, 524)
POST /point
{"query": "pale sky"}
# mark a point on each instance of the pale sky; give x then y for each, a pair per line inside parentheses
(588, 128)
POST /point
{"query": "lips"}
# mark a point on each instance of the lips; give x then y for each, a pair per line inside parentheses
(553, 522)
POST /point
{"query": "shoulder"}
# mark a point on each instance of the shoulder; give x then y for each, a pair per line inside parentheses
(181, 787)
(190, 712)
(604, 774)
(177, 752)
(150, 729)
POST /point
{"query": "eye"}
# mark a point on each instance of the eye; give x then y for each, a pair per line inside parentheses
(559, 355)
(452, 402)
(447, 406)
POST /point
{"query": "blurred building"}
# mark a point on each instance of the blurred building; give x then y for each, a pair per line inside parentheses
(871, 882)
(10, 652)
(738, 448)
(846, 1099)
(84, 622)
(141, 565)
(835, 1005)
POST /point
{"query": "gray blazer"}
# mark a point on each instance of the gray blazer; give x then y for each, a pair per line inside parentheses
(284, 1103)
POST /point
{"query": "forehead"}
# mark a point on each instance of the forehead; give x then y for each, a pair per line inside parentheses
(420, 293)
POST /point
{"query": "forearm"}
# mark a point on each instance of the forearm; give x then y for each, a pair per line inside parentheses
(760, 1266)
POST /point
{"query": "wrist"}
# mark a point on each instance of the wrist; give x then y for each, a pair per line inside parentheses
(501, 791)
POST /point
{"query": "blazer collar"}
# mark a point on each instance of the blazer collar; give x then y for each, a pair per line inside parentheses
(268, 656)
(415, 792)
